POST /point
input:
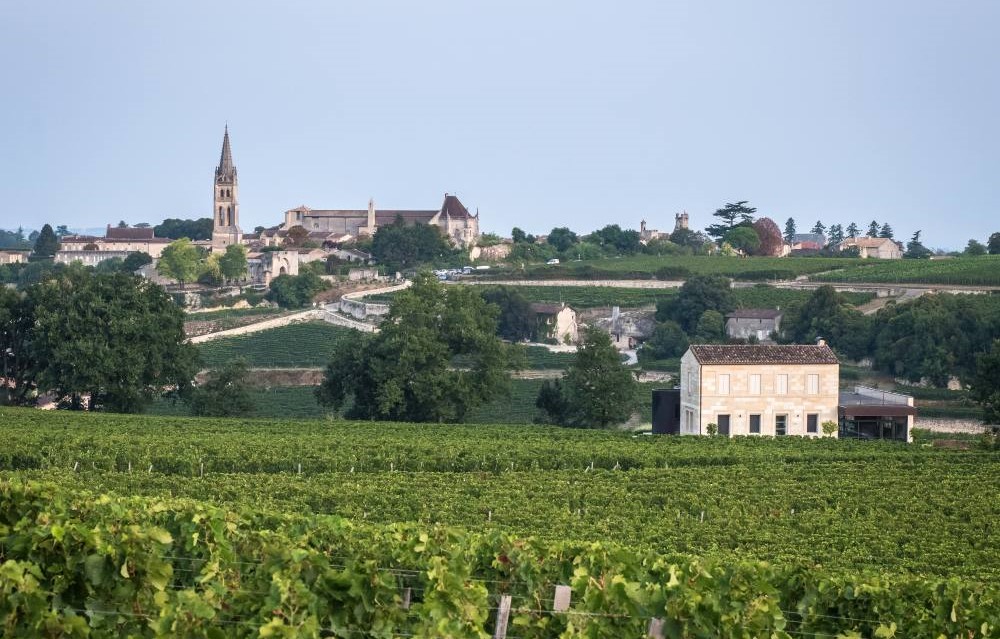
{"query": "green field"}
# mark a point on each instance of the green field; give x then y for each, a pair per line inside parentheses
(300, 345)
(118, 525)
(961, 271)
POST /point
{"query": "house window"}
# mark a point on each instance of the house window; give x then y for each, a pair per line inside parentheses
(780, 425)
(755, 424)
(812, 423)
(755, 384)
(812, 384)
(723, 384)
(781, 384)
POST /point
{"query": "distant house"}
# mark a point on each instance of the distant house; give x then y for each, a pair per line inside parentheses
(89, 258)
(556, 321)
(13, 257)
(758, 389)
(881, 247)
(807, 242)
(760, 323)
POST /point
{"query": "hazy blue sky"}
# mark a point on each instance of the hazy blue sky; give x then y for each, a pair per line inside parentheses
(539, 113)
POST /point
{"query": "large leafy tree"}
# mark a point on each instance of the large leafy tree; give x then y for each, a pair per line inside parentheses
(405, 372)
(561, 238)
(829, 315)
(984, 385)
(135, 261)
(597, 390)
(227, 392)
(770, 237)
(667, 341)
(179, 261)
(743, 238)
(733, 214)
(993, 244)
(176, 228)
(613, 239)
(975, 248)
(296, 291)
(399, 246)
(233, 263)
(118, 339)
(699, 293)
(516, 321)
(47, 244)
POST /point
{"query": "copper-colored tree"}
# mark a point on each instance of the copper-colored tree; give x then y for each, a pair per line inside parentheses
(770, 237)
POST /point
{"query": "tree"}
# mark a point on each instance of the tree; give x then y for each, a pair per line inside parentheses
(667, 341)
(124, 350)
(974, 248)
(729, 214)
(916, 250)
(873, 229)
(742, 238)
(405, 371)
(770, 237)
(984, 386)
(836, 235)
(233, 263)
(176, 228)
(829, 315)
(711, 327)
(135, 261)
(853, 230)
(993, 244)
(179, 261)
(552, 402)
(518, 236)
(122, 224)
(62, 231)
(885, 231)
(818, 228)
(297, 236)
(561, 238)
(698, 294)
(829, 427)
(613, 239)
(516, 321)
(296, 291)
(47, 244)
(790, 230)
(401, 247)
(228, 392)
(598, 390)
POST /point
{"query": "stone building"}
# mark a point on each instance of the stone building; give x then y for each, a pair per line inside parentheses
(759, 389)
(225, 200)
(880, 247)
(758, 323)
(127, 239)
(89, 258)
(265, 266)
(452, 218)
(556, 321)
(13, 257)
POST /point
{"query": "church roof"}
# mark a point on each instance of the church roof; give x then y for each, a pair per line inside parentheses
(453, 207)
(225, 170)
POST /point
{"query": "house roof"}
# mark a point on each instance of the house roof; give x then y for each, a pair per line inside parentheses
(128, 233)
(867, 242)
(763, 354)
(817, 238)
(755, 313)
(547, 309)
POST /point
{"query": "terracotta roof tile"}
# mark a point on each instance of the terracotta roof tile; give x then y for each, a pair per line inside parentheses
(763, 354)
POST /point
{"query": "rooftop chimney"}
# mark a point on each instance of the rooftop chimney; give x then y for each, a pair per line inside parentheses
(820, 341)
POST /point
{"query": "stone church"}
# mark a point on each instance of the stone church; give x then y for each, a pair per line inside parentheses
(226, 204)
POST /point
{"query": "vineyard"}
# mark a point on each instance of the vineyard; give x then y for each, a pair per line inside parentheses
(330, 528)
(959, 271)
(300, 345)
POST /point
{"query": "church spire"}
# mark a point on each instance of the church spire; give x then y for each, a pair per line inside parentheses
(225, 170)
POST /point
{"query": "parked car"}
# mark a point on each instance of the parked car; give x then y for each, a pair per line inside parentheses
(553, 261)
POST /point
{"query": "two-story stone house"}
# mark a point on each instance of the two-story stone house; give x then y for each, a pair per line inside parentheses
(758, 389)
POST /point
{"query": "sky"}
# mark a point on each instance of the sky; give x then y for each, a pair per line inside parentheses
(537, 113)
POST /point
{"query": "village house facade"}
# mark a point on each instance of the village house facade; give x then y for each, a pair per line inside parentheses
(556, 321)
(879, 247)
(126, 239)
(758, 389)
(756, 323)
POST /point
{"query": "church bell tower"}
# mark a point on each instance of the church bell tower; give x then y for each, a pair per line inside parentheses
(226, 204)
